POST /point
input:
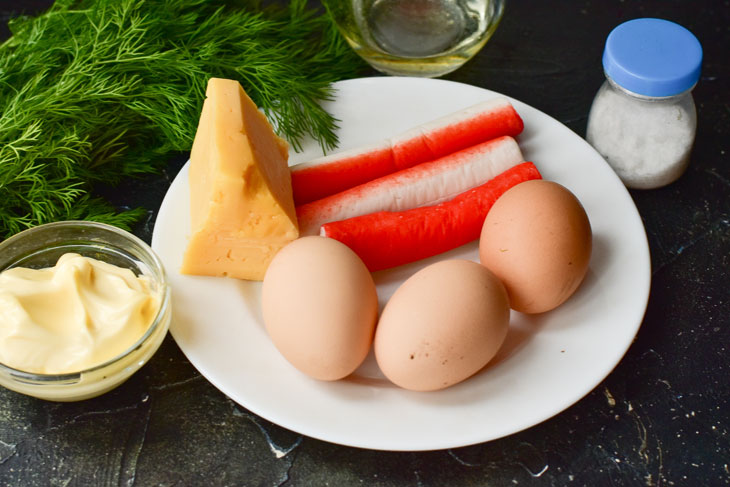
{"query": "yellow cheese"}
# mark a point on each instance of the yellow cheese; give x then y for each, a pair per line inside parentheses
(241, 205)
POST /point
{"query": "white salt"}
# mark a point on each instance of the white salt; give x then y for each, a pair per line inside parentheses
(646, 140)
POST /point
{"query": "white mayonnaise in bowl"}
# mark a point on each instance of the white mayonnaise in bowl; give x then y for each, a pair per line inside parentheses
(40, 248)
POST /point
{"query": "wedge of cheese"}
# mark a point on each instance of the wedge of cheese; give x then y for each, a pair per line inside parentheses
(241, 204)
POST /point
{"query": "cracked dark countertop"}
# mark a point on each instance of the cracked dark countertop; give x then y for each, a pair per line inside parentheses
(661, 418)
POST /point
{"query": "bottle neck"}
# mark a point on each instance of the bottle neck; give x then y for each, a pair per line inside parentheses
(639, 96)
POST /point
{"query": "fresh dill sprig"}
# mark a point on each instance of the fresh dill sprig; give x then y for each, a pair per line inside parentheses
(101, 90)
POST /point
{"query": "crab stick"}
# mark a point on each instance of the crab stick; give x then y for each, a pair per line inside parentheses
(422, 185)
(331, 174)
(388, 239)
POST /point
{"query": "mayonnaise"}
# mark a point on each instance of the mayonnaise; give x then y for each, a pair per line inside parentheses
(76, 315)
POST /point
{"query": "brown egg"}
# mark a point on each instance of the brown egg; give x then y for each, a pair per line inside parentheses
(320, 307)
(442, 325)
(537, 239)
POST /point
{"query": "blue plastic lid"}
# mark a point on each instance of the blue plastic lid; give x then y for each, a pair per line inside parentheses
(652, 57)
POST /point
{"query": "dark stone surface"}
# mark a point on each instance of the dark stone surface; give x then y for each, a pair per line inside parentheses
(661, 417)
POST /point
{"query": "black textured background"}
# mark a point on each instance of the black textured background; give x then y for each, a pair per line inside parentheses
(661, 418)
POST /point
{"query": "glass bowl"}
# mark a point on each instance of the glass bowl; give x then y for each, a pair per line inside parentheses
(41, 247)
(426, 38)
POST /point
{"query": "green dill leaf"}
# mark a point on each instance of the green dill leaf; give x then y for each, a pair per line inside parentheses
(96, 91)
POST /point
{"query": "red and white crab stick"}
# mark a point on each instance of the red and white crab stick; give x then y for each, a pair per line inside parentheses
(426, 184)
(389, 239)
(331, 174)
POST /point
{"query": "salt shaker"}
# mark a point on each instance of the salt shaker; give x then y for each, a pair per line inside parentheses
(643, 118)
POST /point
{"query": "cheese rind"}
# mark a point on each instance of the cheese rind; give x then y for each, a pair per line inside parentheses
(241, 205)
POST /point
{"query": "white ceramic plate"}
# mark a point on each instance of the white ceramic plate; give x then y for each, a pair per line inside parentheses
(548, 362)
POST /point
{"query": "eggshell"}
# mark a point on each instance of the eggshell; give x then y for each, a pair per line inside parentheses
(320, 307)
(537, 239)
(442, 325)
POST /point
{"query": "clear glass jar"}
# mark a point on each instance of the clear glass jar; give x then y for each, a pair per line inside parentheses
(643, 119)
